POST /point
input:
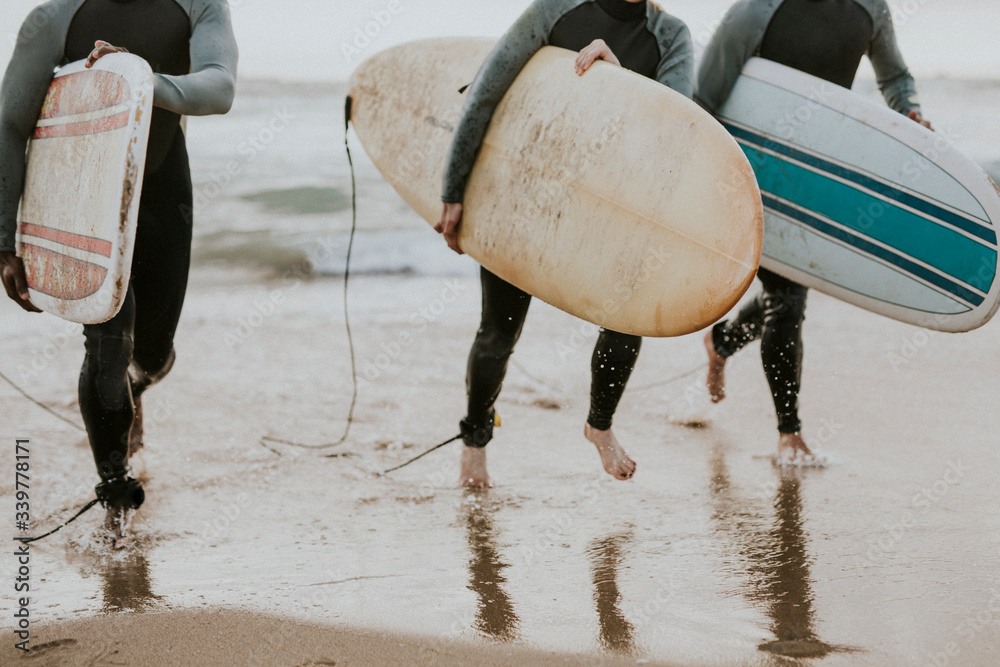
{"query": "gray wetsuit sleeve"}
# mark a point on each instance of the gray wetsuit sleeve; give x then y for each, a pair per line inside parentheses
(676, 68)
(211, 85)
(38, 51)
(894, 79)
(528, 34)
(737, 39)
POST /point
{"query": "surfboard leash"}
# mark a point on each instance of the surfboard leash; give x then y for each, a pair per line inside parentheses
(672, 380)
(347, 315)
(29, 540)
(655, 385)
(420, 456)
(34, 400)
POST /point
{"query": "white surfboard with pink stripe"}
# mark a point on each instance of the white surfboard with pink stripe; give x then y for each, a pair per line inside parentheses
(76, 224)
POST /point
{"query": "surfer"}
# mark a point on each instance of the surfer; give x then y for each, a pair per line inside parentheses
(827, 39)
(634, 34)
(191, 48)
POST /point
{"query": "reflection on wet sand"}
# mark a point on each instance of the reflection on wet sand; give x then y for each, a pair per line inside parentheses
(495, 615)
(617, 633)
(126, 585)
(773, 557)
(124, 576)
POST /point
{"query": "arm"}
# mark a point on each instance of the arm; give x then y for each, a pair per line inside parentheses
(211, 86)
(528, 34)
(736, 40)
(894, 79)
(676, 68)
(36, 54)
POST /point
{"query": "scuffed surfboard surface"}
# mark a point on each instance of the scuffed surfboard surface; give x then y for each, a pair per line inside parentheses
(608, 196)
(76, 222)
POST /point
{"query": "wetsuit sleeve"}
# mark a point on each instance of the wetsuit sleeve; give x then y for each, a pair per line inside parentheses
(894, 79)
(528, 34)
(676, 68)
(736, 40)
(37, 52)
(211, 85)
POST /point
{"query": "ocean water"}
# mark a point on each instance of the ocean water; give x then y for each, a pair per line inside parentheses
(272, 182)
(290, 201)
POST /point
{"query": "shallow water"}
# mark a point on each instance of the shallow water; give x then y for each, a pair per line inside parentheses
(711, 555)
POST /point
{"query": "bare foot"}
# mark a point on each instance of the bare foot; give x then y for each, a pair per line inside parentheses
(116, 524)
(473, 473)
(135, 434)
(716, 380)
(614, 458)
(792, 448)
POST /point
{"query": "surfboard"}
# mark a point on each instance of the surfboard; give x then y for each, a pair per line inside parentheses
(609, 195)
(864, 204)
(77, 219)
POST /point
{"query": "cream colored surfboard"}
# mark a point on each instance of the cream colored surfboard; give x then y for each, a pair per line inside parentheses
(609, 195)
(76, 223)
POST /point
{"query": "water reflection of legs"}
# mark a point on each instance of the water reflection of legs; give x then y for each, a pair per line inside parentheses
(617, 634)
(495, 614)
(775, 558)
(784, 577)
(126, 584)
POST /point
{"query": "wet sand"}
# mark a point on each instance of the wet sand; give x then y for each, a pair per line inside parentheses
(228, 637)
(273, 554)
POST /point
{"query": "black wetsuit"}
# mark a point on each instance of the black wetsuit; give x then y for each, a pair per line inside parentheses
(825, 38)
(189, 45)
(142, 333)
(645, 41)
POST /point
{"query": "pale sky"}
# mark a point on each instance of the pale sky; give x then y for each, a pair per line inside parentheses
(316, 39)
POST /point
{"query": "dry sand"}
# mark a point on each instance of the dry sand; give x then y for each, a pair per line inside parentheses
(246, 554)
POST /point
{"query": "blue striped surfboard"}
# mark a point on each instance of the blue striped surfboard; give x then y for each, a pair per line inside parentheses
(864, 204)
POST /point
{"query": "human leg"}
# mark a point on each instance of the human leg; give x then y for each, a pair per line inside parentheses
(504, 310)
(611, 366)
(135, 348)
(781, 354)
(727, 338)
(160, 268)
(775, 316)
